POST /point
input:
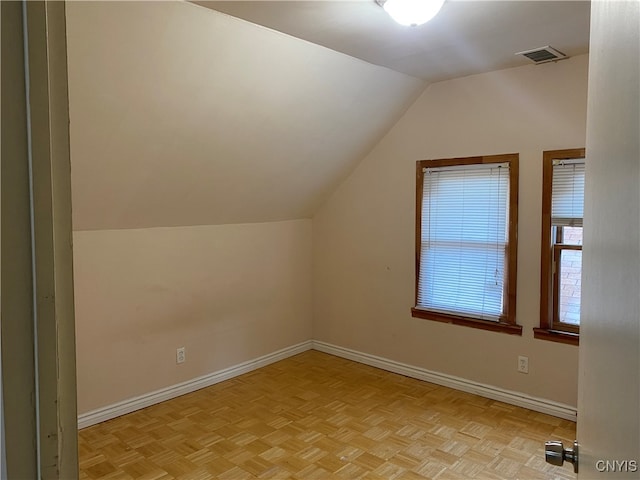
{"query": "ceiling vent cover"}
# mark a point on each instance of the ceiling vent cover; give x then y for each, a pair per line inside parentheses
(543, 55)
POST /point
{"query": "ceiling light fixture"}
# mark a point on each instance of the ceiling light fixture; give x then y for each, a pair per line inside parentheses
(411, 12)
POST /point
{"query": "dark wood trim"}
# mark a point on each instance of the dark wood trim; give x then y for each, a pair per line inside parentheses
(565, 154)
(508, 321)
(501, 326)
(566, 327)
(548, 282)
(453, 162)
(556, 336)
(546, 265)
(564, 246)
(558, 325)
(511, 273)
(555, 287)
(418, 229)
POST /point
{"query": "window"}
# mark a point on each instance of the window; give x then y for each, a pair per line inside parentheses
(561, 266)
(466, 223)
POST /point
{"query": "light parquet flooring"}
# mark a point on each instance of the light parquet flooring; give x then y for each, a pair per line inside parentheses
(316, 416)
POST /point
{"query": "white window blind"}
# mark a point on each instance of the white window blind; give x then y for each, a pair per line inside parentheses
(567, 197)
(464, 235)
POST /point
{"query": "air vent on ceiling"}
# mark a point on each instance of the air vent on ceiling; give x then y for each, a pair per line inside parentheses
(543, 54)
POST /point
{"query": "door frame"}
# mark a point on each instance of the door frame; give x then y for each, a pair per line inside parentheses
(38, 327)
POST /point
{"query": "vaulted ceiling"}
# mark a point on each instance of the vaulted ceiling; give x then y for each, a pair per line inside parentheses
(185, 116)
(465, 38)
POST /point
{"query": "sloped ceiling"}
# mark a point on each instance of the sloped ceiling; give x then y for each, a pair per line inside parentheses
(185, 116)
(465, 38)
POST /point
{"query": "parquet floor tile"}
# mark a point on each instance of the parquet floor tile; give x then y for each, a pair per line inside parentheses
(316, 416)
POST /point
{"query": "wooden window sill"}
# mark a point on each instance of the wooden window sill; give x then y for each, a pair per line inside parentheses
(467, 322)
(556, 336)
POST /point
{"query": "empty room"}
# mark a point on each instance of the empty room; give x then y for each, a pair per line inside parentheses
(320, 239)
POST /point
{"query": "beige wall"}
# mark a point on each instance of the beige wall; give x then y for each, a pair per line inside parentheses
(231, 293)
(260, 128)
(174, 106)
(363, 237)
(227, 293)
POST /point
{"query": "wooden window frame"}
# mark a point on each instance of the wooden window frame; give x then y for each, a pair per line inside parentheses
(550, 326)
(507, 322)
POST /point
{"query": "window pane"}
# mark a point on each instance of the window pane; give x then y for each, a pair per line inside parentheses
(572, 235)
(464, 236)
(567, 193)
(463, 278)
(570, 286)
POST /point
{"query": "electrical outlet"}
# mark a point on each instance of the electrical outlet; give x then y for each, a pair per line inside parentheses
(523, 364)
(180, 355)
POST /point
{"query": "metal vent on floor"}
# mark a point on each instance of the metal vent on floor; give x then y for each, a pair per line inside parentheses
(543, 54)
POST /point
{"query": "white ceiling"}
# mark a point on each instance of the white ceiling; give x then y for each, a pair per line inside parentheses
(182, 115)
(466, 37)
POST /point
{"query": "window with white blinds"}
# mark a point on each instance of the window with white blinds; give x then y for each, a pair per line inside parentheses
(567, 198)
(464, 234)
(466, 241)
(563, 177)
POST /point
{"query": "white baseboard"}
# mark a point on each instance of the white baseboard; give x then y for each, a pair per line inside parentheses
(513, 398)
(148, 399)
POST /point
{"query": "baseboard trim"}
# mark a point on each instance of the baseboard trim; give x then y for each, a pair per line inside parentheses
(513, 398)
(148, 399)
(488, 391)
